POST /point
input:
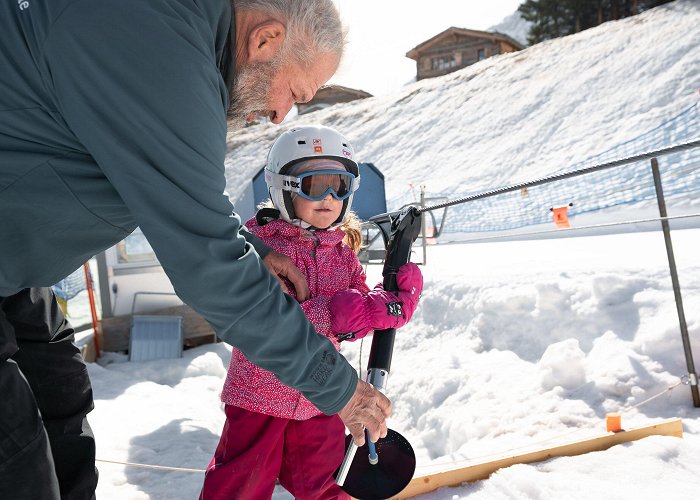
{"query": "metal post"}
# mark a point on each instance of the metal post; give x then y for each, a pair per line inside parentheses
(93, 310)
(422, 225)
(692, 376)
(103, 276)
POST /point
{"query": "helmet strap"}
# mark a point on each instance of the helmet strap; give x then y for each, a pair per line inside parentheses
(265, 215)
(288, 205)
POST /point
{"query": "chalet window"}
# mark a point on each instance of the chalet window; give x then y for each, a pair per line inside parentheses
(444, 62)
(480, 54)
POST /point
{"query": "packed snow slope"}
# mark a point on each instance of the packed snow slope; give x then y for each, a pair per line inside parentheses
(517, 116)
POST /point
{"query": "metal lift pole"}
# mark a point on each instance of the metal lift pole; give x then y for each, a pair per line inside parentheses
(692, 376)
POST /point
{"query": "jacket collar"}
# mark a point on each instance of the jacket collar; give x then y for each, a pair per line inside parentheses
(279, 227)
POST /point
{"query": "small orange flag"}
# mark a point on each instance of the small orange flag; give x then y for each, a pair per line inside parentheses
(560, 215)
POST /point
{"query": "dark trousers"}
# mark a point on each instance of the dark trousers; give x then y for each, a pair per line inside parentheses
(47, 450)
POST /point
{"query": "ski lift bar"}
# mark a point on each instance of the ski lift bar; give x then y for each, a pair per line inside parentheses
(399, 232)
(375, 476)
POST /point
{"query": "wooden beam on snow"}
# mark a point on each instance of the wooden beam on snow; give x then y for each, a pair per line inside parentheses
(455, 477)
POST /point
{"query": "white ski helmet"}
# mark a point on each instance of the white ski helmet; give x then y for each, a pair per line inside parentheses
(306, 143)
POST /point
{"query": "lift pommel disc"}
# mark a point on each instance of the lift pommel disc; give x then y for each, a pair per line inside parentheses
(381, 470)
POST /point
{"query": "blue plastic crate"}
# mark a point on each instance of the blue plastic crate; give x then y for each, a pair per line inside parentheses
(155, 337)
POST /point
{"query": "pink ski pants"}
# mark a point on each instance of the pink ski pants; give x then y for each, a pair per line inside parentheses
(256, 449)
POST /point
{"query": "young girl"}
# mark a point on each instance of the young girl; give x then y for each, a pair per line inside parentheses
(272, 432)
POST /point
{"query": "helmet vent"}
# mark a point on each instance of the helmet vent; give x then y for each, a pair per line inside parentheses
(301, 142)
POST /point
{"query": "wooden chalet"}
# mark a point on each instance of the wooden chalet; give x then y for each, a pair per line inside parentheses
(456, 48)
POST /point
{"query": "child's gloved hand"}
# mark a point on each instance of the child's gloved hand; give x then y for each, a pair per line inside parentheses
(358, 314)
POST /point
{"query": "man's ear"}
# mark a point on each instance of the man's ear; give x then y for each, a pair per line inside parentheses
(265, 41)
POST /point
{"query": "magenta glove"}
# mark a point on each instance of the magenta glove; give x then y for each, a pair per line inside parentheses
(358, 314)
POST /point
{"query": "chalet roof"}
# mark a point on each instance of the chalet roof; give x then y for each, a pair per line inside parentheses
(414, 53)
(327, 89)
(329, 95)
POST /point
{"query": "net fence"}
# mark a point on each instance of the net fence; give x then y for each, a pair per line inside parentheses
(614, 187)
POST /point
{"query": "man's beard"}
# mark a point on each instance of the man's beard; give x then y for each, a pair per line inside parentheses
(250, 91)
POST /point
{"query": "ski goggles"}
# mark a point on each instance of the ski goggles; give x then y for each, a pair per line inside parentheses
(317, 184)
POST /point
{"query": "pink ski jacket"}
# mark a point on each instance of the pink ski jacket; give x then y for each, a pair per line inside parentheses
(329, 266)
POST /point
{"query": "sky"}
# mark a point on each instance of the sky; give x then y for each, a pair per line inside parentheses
(515, 345)
(381, 32)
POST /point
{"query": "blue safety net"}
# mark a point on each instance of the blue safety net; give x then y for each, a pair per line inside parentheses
(613, 187)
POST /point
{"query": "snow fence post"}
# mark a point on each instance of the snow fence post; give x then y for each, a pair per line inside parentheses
(692, 376)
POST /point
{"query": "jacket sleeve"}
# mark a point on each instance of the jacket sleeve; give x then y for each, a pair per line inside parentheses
(259, 245)
(317, 310)
(140, 90)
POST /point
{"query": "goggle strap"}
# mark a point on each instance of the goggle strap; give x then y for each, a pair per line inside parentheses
(284, 182)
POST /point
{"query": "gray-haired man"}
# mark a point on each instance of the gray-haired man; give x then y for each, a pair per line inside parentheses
(113, 115)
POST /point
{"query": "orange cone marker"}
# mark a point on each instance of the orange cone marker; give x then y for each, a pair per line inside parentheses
(613, 422)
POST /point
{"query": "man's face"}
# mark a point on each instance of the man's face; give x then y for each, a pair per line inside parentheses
(272, 88)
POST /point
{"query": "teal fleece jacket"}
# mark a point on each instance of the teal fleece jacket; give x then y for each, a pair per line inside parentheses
(113, 116)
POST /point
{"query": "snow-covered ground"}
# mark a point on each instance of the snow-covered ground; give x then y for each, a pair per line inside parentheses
(515, 344)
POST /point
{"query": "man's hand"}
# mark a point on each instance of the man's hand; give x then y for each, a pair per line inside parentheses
(368, 408)
(282, 266)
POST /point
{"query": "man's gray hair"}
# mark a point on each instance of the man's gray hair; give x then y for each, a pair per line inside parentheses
(313, 26)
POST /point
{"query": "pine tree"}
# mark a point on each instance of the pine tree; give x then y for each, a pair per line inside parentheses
(556, 18)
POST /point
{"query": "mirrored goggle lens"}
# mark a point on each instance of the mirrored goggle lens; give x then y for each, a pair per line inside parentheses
(316, 186)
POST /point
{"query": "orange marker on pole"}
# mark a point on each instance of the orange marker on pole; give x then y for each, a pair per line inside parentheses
(560, 216)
